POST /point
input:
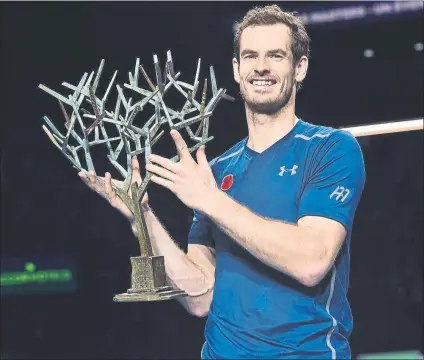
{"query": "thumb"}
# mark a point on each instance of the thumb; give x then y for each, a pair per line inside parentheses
(201, 157)
(136, 177)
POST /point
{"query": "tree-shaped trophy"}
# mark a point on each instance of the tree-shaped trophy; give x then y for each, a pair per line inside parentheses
(136, 136)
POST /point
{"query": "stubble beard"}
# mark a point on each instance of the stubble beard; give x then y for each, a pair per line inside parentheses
(271, 106)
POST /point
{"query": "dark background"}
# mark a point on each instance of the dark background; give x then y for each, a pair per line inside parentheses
(48, 211)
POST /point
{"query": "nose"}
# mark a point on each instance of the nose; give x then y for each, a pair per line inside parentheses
(262, 67)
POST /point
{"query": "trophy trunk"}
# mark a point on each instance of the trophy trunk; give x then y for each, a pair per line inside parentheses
(148, 276)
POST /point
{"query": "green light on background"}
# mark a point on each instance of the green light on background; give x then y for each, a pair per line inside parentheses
(406, 355)
(38, 276)
(30, 267)
(30, 276)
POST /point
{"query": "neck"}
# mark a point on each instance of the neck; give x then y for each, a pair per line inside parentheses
(266, 130)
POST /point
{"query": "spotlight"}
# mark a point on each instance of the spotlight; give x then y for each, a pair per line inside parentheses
(368, 53)
(418, 46)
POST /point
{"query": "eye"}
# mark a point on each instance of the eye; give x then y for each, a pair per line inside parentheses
(250, 56)
(276, 56)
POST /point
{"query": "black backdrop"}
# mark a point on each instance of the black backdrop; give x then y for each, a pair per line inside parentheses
(46, 209)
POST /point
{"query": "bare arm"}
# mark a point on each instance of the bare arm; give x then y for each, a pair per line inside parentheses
(193, 272)
(304, 251)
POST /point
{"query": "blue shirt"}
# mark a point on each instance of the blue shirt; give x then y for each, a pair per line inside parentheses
(256, 311)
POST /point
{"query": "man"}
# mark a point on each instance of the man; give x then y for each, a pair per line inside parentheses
(268, 254)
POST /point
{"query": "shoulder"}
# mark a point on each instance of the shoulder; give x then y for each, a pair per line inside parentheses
(325, 137)
(327, 149)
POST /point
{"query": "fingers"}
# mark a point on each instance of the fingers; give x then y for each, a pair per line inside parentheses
(87, 181)
(161, 172)
(90, 179)
(83, 177)
(201, 157)
(93, 183)
(109, 190)
(180, 144)
(136, 177)
(135, 165)
(163, 182)
(164, 162)
(105, 188)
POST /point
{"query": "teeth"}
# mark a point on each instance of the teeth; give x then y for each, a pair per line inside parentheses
(262, 82)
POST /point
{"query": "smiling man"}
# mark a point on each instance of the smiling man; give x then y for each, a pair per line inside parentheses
(268, 254)
(265, 66)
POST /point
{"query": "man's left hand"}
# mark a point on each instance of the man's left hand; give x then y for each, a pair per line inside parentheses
(192, 182)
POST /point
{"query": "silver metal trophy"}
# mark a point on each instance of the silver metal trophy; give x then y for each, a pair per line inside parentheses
(87, 128)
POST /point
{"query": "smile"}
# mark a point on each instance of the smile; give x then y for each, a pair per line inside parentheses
(262, 83)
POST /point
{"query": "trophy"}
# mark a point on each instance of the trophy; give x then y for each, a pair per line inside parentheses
(91, 125)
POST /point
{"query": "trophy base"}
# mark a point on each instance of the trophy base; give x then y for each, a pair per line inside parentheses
(157, 294)
(148, 282)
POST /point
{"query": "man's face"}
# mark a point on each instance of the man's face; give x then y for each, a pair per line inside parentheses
(265, 72)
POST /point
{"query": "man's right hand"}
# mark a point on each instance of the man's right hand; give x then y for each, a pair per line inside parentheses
(107, 192)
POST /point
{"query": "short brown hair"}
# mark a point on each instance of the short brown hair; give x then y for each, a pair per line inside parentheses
(271, 15)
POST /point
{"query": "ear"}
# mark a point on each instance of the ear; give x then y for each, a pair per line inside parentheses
(236, 71)
(301, 69)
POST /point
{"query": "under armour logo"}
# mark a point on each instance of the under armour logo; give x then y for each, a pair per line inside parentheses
(292, 170)
(341, 192)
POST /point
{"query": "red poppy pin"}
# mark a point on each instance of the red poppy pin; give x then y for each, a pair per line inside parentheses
(227, 182)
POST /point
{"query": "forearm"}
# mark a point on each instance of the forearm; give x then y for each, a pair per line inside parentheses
(182, 272)
(285, 247)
